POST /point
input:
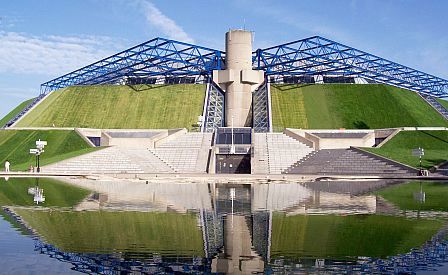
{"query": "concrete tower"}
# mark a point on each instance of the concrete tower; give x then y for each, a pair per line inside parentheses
(238, 80)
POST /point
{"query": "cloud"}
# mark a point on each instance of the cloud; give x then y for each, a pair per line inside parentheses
(163, 23)
(51, 55)
(303, 21)
(7, 21)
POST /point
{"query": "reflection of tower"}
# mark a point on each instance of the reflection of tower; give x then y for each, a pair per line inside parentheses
(238, 80)
(233, 206)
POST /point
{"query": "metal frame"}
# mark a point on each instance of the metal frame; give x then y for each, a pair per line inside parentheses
(214, 115)
(320, 56)
(316, 55)
(154, 58)
(260, 109)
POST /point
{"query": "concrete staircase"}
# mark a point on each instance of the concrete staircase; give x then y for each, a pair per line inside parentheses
(149, 162)
(106, 161)
(346, 162)
(275, 152)
(187, 153)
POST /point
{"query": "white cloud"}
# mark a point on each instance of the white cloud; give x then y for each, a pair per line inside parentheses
(163, 23)
(7, 21)
(50, 55)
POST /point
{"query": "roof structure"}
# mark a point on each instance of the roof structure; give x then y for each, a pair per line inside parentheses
(156, 57)
(307, 57)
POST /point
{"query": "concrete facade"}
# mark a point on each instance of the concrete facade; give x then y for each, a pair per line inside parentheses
(333, 139)
(238, 80)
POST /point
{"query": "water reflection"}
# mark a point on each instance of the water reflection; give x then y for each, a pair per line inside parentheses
(37, 193)
(240, 228)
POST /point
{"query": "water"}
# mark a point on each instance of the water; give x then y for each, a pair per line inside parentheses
(204, 226)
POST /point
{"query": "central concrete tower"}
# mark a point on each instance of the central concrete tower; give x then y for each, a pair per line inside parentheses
(238, 80)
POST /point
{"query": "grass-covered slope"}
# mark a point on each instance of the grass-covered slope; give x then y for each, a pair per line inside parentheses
(14, 192)
(117, 106)
(15, 146)
(344, 236)
(108, 232)
(14, 112)
(351, 106)
(399, 148)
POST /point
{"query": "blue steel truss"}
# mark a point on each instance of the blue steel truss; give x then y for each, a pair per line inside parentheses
(320, 56)
(312, 56)
(156, 57)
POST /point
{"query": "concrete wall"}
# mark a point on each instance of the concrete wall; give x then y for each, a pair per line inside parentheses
(300, 136)
(310, 139)
(133, 138)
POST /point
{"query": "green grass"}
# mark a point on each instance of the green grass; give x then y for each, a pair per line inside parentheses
(14, 112)
(14, 192)
(350, 106)
(443, 102)
(108, 232)
(15, 146)
(402, 195)
(106, 106)
(399, 148)
(346, 236)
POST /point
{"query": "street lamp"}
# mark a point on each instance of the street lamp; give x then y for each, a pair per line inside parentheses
(40, 144)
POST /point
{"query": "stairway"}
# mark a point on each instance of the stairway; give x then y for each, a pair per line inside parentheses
(346, 162)
(275, 152)
(149, 162)
(436, 105)
(109, 160)
(187, 153)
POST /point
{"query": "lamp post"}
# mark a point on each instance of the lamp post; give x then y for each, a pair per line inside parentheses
(40, 144)
(419, 152)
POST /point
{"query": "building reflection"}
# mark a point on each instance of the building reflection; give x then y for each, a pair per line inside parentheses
(236, 222)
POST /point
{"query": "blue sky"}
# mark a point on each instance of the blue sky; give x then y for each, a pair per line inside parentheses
(40, 40)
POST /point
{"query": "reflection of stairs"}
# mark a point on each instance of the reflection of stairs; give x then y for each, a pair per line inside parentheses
(346, 162)
(436, 105)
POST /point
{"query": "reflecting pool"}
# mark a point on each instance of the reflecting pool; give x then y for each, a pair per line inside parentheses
(205, 226)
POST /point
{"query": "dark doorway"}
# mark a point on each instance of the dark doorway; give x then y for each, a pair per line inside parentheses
(232, 164)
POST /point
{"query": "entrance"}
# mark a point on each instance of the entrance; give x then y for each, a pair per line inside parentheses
(232, 164)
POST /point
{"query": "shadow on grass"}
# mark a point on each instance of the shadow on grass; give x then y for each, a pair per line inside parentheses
(144, 87)
(434, 162)
(360, 125)
(288, 87)
(433, 136)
